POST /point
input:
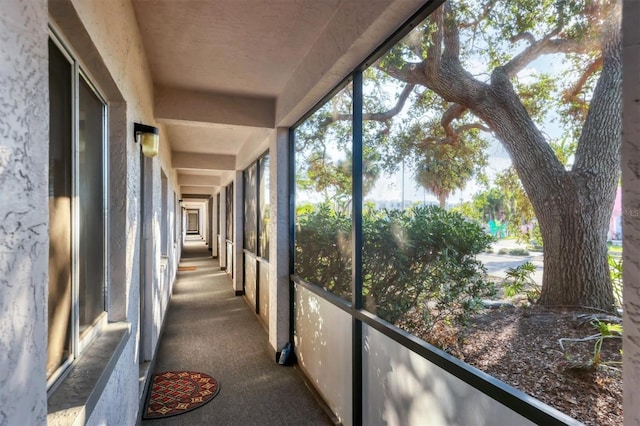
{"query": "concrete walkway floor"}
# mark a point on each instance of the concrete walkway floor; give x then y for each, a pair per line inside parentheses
(210, 330)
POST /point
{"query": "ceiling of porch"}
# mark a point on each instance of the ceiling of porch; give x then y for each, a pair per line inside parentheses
(227, 72)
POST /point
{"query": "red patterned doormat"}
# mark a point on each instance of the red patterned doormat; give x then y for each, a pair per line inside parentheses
(176, 392)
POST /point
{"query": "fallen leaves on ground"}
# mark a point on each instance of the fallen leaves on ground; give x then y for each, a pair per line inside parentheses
(519, 346)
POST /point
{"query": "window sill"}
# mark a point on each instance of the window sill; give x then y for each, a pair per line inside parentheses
(73, 401)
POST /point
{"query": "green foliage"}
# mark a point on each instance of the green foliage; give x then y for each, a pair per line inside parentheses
(323, 249)
(615, 271)
(515, 202)
(605, 330)
(443, 168)
(537, 236)
(564, 149)
(518, 252)
(420, 260)
(519, 280)
(423, 259)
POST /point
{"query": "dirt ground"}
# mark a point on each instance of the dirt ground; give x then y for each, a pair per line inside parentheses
(520, 347)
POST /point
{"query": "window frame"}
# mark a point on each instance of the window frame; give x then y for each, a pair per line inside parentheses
(258, 251)
(518, 401)
(80, 341)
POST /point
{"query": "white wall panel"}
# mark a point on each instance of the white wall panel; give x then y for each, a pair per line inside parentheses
(323, 347)
(402, 388)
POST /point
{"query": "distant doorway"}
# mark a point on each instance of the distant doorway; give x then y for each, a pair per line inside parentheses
(193, 222)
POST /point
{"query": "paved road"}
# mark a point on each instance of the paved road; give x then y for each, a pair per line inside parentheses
(497, 264)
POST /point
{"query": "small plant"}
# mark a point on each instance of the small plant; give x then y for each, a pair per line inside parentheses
(606, 330)
(615, 271)
(518, 279)
(518, 252)
(503, 251)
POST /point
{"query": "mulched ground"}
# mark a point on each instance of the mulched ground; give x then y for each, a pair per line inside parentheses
(520, 347)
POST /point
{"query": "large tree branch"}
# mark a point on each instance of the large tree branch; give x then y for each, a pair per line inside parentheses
(599, 143)
(486, 9)
(453, 112)
(378, 116)
(571, 94)
(434, 51)
(452, 134)
(451, 34)
(409, 72)
(545, 46)
(471, 126)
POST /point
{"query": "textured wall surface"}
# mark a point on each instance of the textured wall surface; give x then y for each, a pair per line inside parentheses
(631, 209)
(24, 143)
(110, 411)
(106, 39)
(279, 239)
(238, 232)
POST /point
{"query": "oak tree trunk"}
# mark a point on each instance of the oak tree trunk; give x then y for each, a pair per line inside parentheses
(573, 207)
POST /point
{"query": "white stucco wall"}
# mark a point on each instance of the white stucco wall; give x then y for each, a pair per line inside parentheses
(111, 409)
(112, 51)
(238, 231)
(24, 248)
(279, 238)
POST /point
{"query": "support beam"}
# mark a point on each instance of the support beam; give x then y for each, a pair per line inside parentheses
(279, 239)
(215, 212)
(198, 180)
(190, 160)
(238, 233)
(173, 105)
(203, 191)
(222, 211)
(195, 197)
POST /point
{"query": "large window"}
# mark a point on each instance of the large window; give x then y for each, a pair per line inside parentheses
(323, 196)
(263, 206)
(229, 211)
(77, 210)
(256, 207)
(250, 208)
(164, 214)
(489, 138)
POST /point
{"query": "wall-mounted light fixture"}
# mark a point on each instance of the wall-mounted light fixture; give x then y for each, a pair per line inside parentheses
(148, 138)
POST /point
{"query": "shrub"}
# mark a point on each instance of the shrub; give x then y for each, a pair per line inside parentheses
(422, 259)
(503, 251)
(519, 280)
(323, 249)
(518, 252)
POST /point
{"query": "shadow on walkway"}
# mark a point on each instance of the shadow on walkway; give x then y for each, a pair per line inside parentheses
(210, 330)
